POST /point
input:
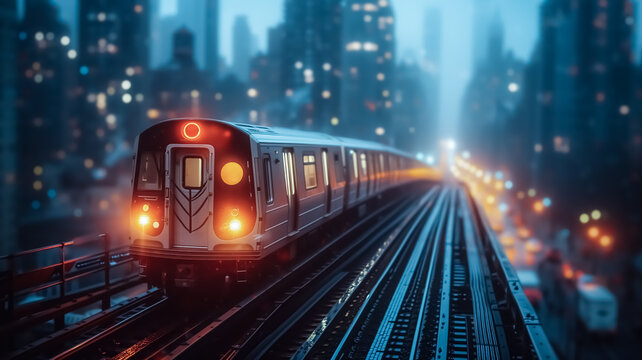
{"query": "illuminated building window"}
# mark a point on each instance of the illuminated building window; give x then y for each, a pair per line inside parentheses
(562, 144)
(353, 46)
(370, 46)
(369, 7)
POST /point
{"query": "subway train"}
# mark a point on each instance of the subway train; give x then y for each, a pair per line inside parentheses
(210, 198)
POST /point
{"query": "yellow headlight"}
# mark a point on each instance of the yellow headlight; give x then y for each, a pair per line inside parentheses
(143, 220)
(232, 173)
(235, 225)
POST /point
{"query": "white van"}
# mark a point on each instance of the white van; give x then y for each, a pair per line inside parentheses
(597, 308)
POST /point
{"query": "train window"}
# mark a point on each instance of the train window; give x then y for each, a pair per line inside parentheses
(355, 165)
(267, 179)
(364, 165)
(192, 172)
(338, 169)
(149, 171)
(324, 159)
(310, 171)
(382, 164)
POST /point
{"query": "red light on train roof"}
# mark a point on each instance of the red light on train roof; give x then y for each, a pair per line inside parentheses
(191, 131)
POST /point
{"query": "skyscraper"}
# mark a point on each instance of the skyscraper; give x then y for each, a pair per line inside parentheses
(311, 67)
(211, 38)
(113, 71)
(368, 69)
(431, 66)
(586, 95)
(179, 86)
(43, 92)
(410, 127)
(8, 22)
(241, 47)
(493, 93)
(482, 14)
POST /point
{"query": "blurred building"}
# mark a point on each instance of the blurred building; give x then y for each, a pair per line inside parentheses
(410, 128)
(180, 88)
(368, 70)
(8, 154)
(492, 95)
(44, 83)
(431, 66)
(311, 67)
(265, 96)
(482, 18)
(113, 78)
(241, 48)
(212, 38)
(585, 112)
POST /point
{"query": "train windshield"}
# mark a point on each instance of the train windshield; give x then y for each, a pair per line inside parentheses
(150, 171)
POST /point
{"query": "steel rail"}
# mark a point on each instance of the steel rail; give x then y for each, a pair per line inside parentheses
(389, 233)
(430, 277)
(86, 344)
(307, 345)
(384, 331)
(196, 337)
(386, 271)
(41, 346)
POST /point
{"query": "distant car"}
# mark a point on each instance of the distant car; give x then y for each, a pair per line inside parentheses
(533, 245)
(531, 285)
(507, 240)
(597, 308)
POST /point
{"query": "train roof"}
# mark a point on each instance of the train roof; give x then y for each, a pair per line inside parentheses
(279, 135)
(266, 134)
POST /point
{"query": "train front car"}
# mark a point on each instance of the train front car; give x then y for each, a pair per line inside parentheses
(193, 201)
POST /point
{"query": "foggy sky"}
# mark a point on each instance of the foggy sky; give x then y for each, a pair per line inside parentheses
(520, 18)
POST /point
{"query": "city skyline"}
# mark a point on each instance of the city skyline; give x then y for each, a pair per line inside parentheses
(263, 15)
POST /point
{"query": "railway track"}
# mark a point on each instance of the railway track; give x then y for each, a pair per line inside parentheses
(264, 317)
(74, 338)
(410, 280)
(154, 326)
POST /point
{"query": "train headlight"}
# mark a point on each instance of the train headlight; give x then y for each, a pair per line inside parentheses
(232, 173)
(145, 207)
(143, 220)
(155, 224)
(235, 225)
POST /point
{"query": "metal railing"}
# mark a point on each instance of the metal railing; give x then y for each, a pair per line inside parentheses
(509, 291)
(35, 279)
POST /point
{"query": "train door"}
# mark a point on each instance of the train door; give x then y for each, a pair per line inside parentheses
(353, 167)
(290, 188)
(326, 180)
(190, 191)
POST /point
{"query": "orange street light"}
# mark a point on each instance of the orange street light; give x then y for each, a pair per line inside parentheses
(606, 241)
(593, 232)
(538, 207)
(567, 271)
